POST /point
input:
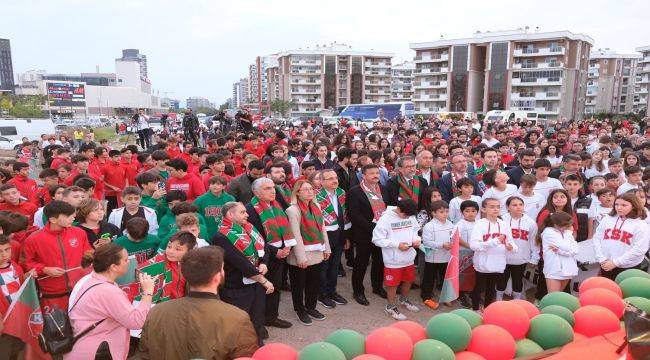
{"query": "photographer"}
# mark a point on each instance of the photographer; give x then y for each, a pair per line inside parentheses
(140, 121)
(245, 120)
(191, 126)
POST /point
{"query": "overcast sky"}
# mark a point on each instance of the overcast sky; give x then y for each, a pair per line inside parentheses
(200, 47)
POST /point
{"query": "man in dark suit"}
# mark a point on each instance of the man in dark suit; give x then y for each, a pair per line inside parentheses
(364, 216)
(240, 187)
(406, 183)
(345, 168)
(264, 191)
(458, 171)
(526, 161)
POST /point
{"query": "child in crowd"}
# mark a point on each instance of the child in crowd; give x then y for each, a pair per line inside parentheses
(55, 192)
(87, 184)
(436, 240)
(26, 186)
(11, 277)
(491, 240)
(613, 181)
(533, 201)
(545, 184)
(466, 187)
(189, 222)
(396, 233)
(114, 180)
(181, 180)
(633, 175)
(153, 193)
(470, 210)
(138, 241)
(17, 228)
(580, 205)
(603, 207)
(559, 251)
(499, 189)
(48, 177)
(13, 202)
(168, 223)
(131, 197)
(524, 232)
(211, 202)
(90, 215)
(621, 239)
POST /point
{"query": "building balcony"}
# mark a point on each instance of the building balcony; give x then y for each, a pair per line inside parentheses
(540, 51)
(376, 73)
(539, 65)
(305, 91)
(380, 65)
(592, 93)
(306, 82)
(547, 110)
(429, 58)
(430, 84)
(592, 74)
(594, 66)
(643, 90)
(431, 97)
(440, 70)
(299, 100)
(645, 59)
(429, 110)
(537, 82)
(306, 62)
(376, 83)
(550, 95)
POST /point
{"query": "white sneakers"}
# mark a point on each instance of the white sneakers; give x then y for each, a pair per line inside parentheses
(408, 305)
(394, 312)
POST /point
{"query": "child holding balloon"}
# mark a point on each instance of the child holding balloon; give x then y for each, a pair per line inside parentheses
(621, 239)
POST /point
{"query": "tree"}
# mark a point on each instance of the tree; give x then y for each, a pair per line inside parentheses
(225, 105)
(280, 106)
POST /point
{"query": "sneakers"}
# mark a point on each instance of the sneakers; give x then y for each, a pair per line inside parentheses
(408, 305)
(464, 302)
(304, 318)
(393, 311)
(315, 314)
(338, 299)
(326, 302)
(431, 304)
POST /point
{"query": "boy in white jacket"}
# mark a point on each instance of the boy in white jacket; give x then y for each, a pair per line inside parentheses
(396, 233)
(491, 240)
(131, 197)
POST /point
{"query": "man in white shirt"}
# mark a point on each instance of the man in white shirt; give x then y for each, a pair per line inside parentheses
(545, 184)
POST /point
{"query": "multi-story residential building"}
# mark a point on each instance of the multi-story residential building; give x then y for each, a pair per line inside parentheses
(642, 81)
(273, 82)
(505, 70)
(134, 55)
(196, 102)
(170, 104)
(6, 67)
(402, 81)
(610, 84)
(244, 91)
(254, 91)
(333, 75)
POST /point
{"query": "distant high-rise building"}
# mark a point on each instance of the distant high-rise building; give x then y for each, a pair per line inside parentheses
(196, 102)
(171, 104)
(244, 91)
(6, 67)
(333, 75)
(642, 80)
(272, 82)
(545, 72)
(254, 93)
(134, 55)
(402, 82)
(610, 84)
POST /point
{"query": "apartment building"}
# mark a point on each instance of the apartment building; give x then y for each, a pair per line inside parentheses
(254, 91)
(544, 72)
(273, 82)
(610, 83)
(6, 67)
(402, 81)
(642, 81)
(333, 75)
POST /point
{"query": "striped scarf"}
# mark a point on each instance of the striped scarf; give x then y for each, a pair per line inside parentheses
(374, 197)
(245, 238)
(434, 175)
(275, 222)
(329, 213)
(311, 225)
(285, 191)
(409, 189)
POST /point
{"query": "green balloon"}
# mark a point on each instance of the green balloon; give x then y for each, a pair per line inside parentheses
(636, 286)
(527, 347)
(630, 273)
(429, 349)
(560, 311)
(641, 303)
(451, 329)
(321, 351)
(470, 316)
(550, 331)
(350, 342)
(560, 298)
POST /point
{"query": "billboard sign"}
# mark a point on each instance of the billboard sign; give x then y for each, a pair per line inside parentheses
(69, 94)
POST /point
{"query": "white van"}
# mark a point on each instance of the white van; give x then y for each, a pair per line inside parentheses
(503, 116)
(13, 130)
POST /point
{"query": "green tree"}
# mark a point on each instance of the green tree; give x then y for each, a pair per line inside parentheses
(280, 106)
(224, 106)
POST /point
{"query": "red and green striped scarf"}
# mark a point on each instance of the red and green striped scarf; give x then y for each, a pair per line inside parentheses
(311, 225)
(329, 213)
(285, 191)
(373, 192)
(245, 238)
(275, 222)
(409, 190)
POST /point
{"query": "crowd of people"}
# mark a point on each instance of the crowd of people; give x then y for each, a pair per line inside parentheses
(243, 215)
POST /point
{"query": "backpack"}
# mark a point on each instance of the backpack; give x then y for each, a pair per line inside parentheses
(57, 337)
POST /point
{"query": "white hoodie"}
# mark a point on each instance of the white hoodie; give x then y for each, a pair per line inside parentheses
(489, 252)
(115, 218)
(390, 231)
(624, 242)
(524, 232)
(434, 235)
(562, 264)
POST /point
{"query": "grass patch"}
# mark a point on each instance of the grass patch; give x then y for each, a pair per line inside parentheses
(107, 132)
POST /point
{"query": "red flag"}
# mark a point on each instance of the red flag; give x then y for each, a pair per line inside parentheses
(450, 287)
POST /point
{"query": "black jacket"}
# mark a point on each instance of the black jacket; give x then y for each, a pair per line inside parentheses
(190, 121)
(392, 189)
(581, 208)
(515, 175)
(347, 177)
(235, 264)
(104, 228)
(256, 221)
(361, 214)
(445, 187)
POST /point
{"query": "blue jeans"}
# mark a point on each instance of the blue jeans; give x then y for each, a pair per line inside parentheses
(329, 274)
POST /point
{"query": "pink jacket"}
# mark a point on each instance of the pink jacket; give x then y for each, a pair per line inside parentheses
(105, 301)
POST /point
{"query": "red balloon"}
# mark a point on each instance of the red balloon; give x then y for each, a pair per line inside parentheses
(276, 351)
(468, 355)
(492, 342)
(530, 308)
(244, 358)
(390, 343)
(414, 330)
(368, 357)
(509, 316)
(594, 320)
(578, 337)
(599, 282)
(604, 298)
